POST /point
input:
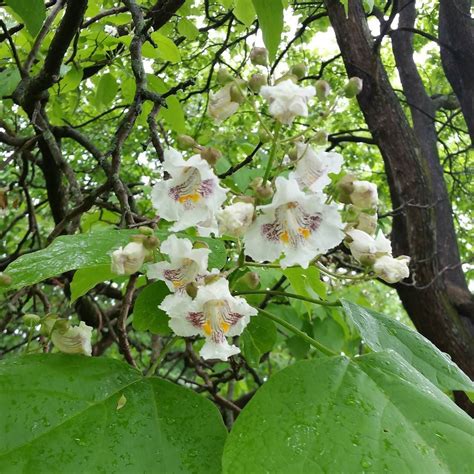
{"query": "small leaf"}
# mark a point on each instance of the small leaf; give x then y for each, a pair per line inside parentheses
(270, 20)
(381, 332)
(244, 11)
(146, 314)
(166, 49)
(258, 338)
(87, 278)
(174, 114)
(121, 401)
(106, 90)
(188, 29)
(32, 12)
(9, 79)
(71, 80)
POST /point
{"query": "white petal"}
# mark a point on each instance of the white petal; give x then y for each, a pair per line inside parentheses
(222, 351)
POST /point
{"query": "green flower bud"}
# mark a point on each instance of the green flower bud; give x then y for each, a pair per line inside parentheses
(299, 70)
(5, 280)
(323, 89)
(264, 191)
(145, 230)
(151, 242)
(293, 154)
(251, 280)
(257, 81)
(200, 245)
(211, 278)
(320, 138)
(191, 289)
(353, 87)
(237, 94)
(264, 136)
(31, 319)
(286, 77)
(185, 141)
(211, 155)
(259, 56)
(224, 76)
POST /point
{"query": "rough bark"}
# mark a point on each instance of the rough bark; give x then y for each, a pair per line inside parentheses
(456, 35)
(437, 313)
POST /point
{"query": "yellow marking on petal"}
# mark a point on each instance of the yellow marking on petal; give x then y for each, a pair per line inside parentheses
(304, 232)
(284, 237)
(206, 327)
(225, 326)
(177, 283)
(195, 197)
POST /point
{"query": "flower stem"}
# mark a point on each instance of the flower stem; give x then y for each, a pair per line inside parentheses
(294, 330)
(166, 348)
(289, 295)
(327, 272)
(273, 149)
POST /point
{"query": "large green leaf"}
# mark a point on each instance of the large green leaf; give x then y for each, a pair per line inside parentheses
(381, 332)
(258, 338)
(270, 20)
(244, 11)
(106, 90)
(88, 277)
(173, 114)
(32, 12)
(146, 314)
(67, 414)
(335, 415)
(9, 79)
(71, 252)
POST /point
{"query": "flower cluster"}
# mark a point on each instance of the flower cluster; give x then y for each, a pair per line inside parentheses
(288, 220)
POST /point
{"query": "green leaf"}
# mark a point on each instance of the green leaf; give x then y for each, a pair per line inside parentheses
(9, 79)
(329, 333)
(166, 49)
(146, 314)
(71, 413)
(381, 332)
(258, 338)
(87, 278)
(70, 252)
(188, 29)
(32, 12)
(244, 11)
(174, 114)
(270, 20)
(306, 282)
(72, 79)
(371, 414)
(106, 90)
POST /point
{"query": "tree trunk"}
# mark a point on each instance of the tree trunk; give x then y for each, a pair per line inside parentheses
(456, 35)
(443, 314)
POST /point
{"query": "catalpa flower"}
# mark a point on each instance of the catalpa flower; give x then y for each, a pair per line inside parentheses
(364, 195)
(221, 106)
(192, 195)
(69, 339)
(129, 259)
(185, 265)
(214, 314)
(392, 270)
(235, 219)
(313, 167)
(300, 226)
(287, 100)
(365, 248)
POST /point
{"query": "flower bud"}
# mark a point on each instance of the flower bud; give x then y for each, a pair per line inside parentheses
(191, 289)
(264, 191)
(213, 277)
(293, 153)
(5, 279)
(145, 230)
(211, 155)
(259, 56)
(235, 219)
(353, 87)
(31, 319)
(185, 141)
(224, 76)
(256, 82)
(365, 248)
(237, 94)
(256, 182)
(345, 187)
(200, 245)
(320, 138)
(263, 135)
(364, 195)
(299, 70)
(323, 89)
(250, 280)
(287, 77)
(151, 242)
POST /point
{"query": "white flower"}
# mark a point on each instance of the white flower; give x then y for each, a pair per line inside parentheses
(365, 248)
(364, 195)
(214, 314)
(392, 269)
(192, 196)
(300, 226)
(70, 340)
(313, 167)
(367, 223)
(185, 265)
(235, 219)
(221, 105)
(129, 259)
(287, 100)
